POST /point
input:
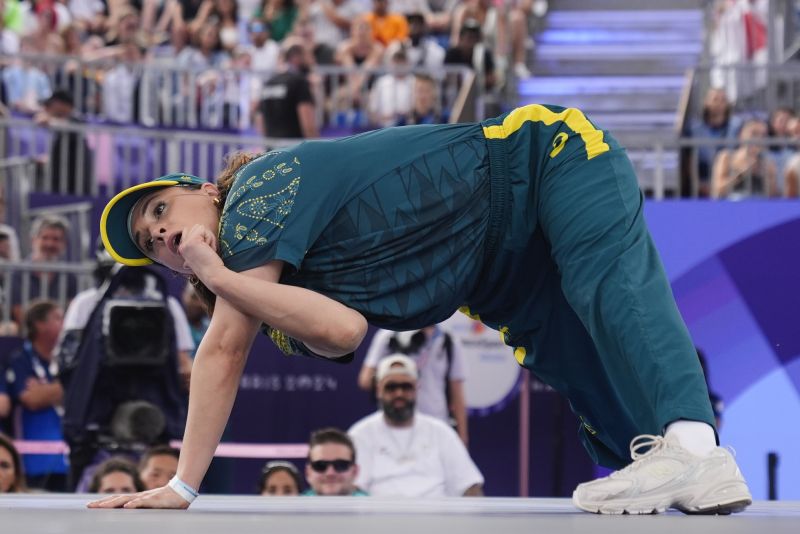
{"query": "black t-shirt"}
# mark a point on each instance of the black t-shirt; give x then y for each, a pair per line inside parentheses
(279, 100)
(455, 56)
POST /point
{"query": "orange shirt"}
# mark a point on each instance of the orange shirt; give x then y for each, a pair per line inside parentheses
(386, 29)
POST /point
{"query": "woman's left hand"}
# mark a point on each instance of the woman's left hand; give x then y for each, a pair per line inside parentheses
(164, 497)
(198, 249)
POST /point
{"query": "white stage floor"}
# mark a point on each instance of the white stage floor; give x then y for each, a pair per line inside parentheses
(55, 514)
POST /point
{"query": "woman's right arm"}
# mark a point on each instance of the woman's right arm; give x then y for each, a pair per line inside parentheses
(216, 373)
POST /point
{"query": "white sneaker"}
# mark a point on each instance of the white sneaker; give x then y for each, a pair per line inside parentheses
(667, 476)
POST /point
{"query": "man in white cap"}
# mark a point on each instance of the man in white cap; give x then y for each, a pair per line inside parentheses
(403, 453)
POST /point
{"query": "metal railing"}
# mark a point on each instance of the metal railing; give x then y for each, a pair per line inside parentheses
(22, 282)
(159, 94)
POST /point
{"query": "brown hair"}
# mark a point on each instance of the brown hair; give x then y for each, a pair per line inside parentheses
(18, 486)
(37, 311)
(233, 162)
(116, 464)
(158, 450)
(331, 435)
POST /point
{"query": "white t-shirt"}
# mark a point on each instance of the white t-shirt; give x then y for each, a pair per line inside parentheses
(325, 31)
(81, 307)
(426, 459)
(391, 97)
(432, 365)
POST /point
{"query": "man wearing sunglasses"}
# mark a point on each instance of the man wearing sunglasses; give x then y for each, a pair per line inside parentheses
(331, 468)
(403, 453)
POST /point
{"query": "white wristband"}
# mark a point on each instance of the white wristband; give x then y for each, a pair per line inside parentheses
(183, 489)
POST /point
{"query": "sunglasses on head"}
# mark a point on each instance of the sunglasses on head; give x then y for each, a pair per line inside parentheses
(340, 466)
(405, 387)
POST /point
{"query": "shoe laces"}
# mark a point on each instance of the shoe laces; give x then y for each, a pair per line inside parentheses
(648, 443)
(642, 446)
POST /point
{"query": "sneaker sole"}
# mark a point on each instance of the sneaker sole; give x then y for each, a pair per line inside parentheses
(733, 505)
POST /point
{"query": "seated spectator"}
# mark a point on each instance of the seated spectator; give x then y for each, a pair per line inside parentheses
(746, 171)
(33, 386)
(12, 476)
(386, 26)
(280, 479)
(778, 128)
(425, 101)
(287, 105)
(26, 85)
(70, 160)
(471, 51)
(116, 475)
(717, 122)
(360, 53)
(48, 245)
(504, 30)
(390, 100)
(9, 244)
(330, 20)
(264, 51)
(158, 465)
(281, 16)
(331, 468)
(423, 51)
(222, 13)
(403, 453)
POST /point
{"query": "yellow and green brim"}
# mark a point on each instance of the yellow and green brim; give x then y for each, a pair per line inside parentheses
(114, 221)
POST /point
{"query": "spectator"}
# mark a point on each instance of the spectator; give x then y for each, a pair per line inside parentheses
(440, 362)
(12, 476)
(281, 16)
(71, 159)
(471, 51)
(223, 14)
(331, 22)
(121, 85)
(403, 453)
(778, 128)
(280, 479)
(116, 475)
(158, 465)
(717, 122)
(791, 171)
(25, 84)
(425, 101)
(386, 27)
(48, 245)
(495, 22)
(331, 468)
(9, 243)
(9, 39)
(264, 51)
(360, 53)
(33, 386)
(287, 104)
(390, 100)
(423, 51)
(746, 171)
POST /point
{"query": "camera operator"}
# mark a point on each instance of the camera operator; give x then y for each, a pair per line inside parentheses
(124, 365)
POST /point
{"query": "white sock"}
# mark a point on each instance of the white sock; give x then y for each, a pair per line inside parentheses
(694, 436)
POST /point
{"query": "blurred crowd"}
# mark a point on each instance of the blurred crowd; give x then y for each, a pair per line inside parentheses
(758, 158)
(143, 61)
